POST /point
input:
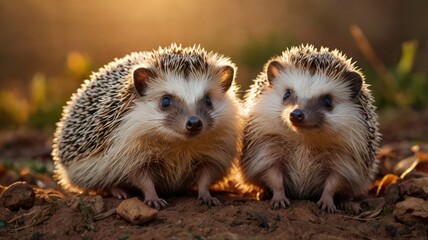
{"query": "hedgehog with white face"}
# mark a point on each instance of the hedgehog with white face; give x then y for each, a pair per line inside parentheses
(159, 121)
(311, 129)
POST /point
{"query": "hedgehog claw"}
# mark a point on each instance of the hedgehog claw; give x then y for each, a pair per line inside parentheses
(279, 202)
(327, 204)
(119, 193)
(210, 201)
(156, 203)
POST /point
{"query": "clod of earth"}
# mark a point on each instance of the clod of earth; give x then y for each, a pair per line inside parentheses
(18, 195)
(415, 187)
(95, 203)
(416, 206)
(136, 211)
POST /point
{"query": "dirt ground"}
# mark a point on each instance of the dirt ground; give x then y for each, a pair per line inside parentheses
(55, 214)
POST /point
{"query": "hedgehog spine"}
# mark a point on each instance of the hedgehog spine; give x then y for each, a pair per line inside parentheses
(311, 128)
(160, 121)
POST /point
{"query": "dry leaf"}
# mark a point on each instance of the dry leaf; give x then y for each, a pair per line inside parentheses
(386, 181)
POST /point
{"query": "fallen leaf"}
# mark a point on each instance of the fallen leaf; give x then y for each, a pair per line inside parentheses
(375, 212)
(386, 181)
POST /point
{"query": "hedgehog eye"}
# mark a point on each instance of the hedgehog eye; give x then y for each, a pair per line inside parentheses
(326, 101)
(166, 101)
(286, 95)
(208, 101)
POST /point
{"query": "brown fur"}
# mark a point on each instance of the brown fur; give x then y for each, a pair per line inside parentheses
(115, 133)
(330, 154)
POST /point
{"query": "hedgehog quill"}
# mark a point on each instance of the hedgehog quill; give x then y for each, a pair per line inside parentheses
(160, 121)
(312, 130)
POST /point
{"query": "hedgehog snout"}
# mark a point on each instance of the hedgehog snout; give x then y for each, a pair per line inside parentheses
(194, 124)
(297, 116)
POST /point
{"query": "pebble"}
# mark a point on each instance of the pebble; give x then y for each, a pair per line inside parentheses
(136, 211)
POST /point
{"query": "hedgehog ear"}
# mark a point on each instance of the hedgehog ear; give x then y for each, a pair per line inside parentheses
(273, 70)
(226, 77)
(140, 76)
(355, 81)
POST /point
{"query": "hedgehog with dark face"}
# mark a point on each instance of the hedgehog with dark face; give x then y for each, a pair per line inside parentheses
(311, 129)
(160, 121)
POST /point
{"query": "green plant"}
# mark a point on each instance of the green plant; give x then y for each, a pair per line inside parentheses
(396, 87)
(87, 215)
(411, 87)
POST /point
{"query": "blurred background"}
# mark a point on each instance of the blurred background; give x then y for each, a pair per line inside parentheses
(47, 48)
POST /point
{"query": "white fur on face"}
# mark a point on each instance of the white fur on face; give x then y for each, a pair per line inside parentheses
(189, 90)
(272, 112)
(148, 113)
(308, 86)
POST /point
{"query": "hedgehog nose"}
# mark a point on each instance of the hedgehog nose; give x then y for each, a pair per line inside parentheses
(297, 116)
(194, 124)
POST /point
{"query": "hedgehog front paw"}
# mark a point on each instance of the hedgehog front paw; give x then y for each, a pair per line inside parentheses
(210, 201)
(327, 204)
(156, 203)
(279, 202)
(119, 193)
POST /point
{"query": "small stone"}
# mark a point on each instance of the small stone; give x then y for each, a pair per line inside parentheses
(136, 211)
(18, 195)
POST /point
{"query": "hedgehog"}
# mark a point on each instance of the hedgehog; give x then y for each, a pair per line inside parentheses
(158, 122)
(311, 130)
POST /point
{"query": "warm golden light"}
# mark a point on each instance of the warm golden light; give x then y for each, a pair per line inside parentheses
(235, 184)
(386, 181)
